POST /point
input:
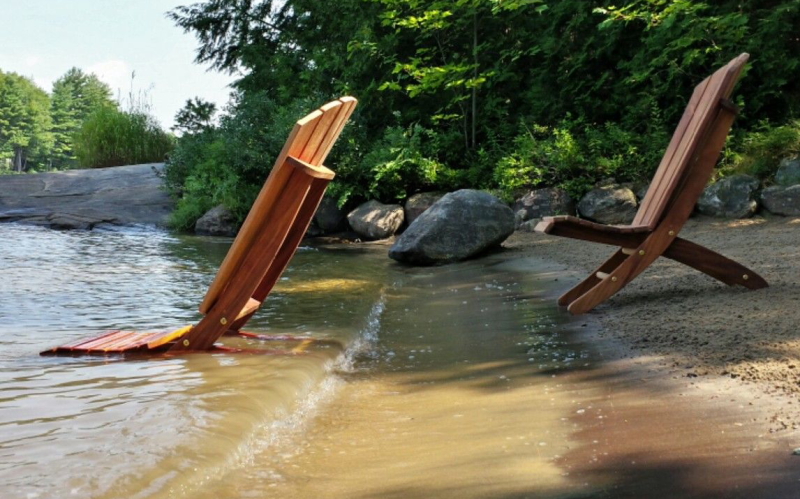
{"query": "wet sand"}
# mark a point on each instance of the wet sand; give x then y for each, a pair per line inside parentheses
(701, 380)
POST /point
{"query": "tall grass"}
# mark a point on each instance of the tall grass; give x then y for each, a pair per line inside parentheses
(110, 137)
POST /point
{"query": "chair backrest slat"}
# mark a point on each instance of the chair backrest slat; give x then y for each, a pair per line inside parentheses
(310, 141)
(693, 128)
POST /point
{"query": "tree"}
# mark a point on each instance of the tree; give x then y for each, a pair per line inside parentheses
(196, 116)
(76, 95)
(24, 121)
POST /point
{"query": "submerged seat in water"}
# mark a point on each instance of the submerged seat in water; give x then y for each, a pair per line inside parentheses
(679, 181)
(268, 239)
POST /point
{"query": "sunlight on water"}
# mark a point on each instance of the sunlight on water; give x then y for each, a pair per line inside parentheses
(104, 427)
(397, 340)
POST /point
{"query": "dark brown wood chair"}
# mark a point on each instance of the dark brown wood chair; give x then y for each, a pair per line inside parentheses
(684, 171)
(262, 249)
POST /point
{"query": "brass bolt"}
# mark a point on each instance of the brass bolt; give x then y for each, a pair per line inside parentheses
(745, 277)
(641, 252)
(614, 278)
(672, 233)
(223, 321)
(186, 343)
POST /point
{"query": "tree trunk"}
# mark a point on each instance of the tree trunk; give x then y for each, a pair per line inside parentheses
(474, 74)
(19, 159)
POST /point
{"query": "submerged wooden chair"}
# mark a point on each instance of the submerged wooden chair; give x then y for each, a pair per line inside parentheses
(261, 251)
(679, 181)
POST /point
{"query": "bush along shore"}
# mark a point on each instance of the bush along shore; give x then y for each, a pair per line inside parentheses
(437, 227)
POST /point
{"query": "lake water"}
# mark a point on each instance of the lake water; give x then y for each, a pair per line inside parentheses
(428, 384)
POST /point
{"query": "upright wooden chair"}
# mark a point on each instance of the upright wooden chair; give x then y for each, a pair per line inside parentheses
(679, 181)
(261, 251)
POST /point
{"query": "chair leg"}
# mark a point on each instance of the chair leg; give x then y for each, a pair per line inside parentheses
(713, 264)
(625, 272)
(591, 280)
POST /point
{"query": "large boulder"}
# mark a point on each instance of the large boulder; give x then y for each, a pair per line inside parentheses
(788, 172)
(375, 220)
(462, 224)
(782, 200)
(81, 199)
(731, 197)
(609, 204)
(329, 217)
(418, 203)
(218, 221)
(540, 203)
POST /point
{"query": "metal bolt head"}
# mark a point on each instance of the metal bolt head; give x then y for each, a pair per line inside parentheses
(186, 343)
(745, 277)
(223, 321)
(614, 278)
(672, 233)
(641, 252)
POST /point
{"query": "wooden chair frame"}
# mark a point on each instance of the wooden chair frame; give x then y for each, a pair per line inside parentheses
(265, 244)
(684, 171)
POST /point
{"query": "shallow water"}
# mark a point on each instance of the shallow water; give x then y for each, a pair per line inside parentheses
(103, 427)
(460, 381)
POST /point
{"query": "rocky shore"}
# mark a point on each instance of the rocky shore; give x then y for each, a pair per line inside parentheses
(82, 199)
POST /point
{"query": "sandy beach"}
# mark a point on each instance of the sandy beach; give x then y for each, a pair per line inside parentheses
(697, 326)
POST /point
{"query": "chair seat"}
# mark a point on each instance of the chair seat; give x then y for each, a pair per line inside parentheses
(548, 223)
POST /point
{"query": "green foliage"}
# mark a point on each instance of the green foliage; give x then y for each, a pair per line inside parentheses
(228, 165)
(444, 85)
(24, 123)
(575, 155)
(76, 95)
(196, 116)
(110, 137)
(763, 149)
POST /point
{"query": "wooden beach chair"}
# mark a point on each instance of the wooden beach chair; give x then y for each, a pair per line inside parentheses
(684, 171)
(261, 251)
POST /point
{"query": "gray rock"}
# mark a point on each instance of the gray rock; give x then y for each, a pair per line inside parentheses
(218, 221)
(609, 204)
(122, 195)
(540, 203)
(418, 203)
(788, 172)
(375, 220)
(329, 218)
(782, 200)
(462, 224)
(731, 197)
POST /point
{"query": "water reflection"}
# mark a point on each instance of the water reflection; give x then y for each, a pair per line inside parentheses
(104, 427)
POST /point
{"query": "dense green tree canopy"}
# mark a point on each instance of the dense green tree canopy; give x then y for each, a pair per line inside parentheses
(502, 93)
(24, 120)
(75, 96)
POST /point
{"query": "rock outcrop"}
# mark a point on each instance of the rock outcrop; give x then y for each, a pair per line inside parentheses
(329, 217)
(730, 197)
(462, 224)
(375, 220)
(782, 200)
(217, 221)
(540, 203)
(609, 204)
(418, 203)
(81, 199)
(788, 172)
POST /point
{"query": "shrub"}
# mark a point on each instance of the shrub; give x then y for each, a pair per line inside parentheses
(110, 137)
(763, 149)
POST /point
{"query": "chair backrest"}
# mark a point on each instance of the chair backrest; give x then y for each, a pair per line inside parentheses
(693, 128)
(310, 141)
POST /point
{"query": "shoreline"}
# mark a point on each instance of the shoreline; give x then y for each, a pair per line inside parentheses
(721, 365)
(702, 325)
